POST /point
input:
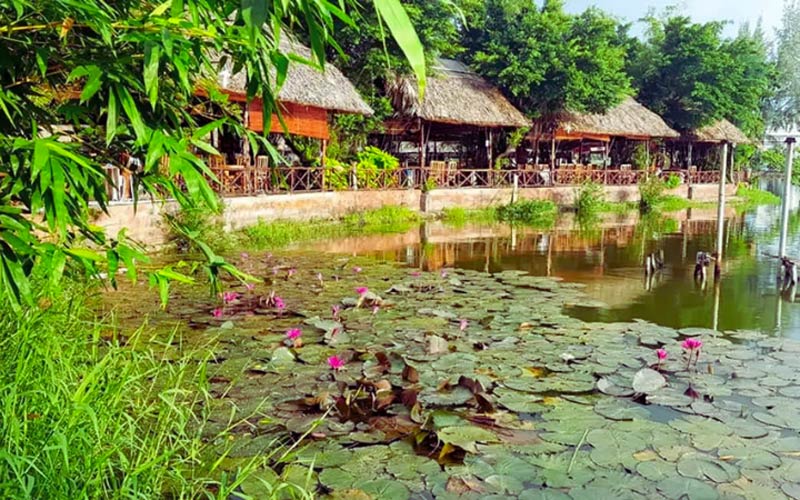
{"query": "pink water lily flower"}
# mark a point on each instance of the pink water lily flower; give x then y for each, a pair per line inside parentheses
(335, 310)
(245, 255)
(692, 344)
(357, 269)
(362, 290)
(335, 363)
(443, 273)
(662, 354)
(375, 309)
(463, 324)
(416, 274)
(229, 297)
(278, 303)
(290, 272)
(217, 313)
(294, 333)
(250, 286)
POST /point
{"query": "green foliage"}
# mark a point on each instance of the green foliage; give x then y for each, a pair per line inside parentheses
(458, 216)
(752, 196)
(687, 73)
(673, 181)
(545, 60)
(85, 413)
(204, 223)
(276, 234)
(640, 158)
(337, 175)
(589, 199)
(373, 165)
(784, 109)
(137, 67)
(651, 190)
(540, 213)
(774, 159)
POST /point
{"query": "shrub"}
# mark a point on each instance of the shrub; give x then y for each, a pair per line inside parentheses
(589, 198)
(372, 162)
(337, 175)
(672, 181)
(532, 212)
(650, 192)
(640, 157)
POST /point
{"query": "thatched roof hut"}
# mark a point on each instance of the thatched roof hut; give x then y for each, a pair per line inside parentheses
(721, 131)
(306, 97)
(629, 119)
(457, 96)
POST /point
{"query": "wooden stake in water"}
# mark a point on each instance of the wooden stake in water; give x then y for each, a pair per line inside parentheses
(721, 208)
(787, 194)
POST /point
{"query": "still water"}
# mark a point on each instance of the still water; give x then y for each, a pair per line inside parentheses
(608, 260)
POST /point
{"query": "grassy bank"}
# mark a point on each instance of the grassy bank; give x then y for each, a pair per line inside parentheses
(538, 213)
(86, 414)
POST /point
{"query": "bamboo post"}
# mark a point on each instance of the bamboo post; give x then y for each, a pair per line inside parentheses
(721, 208)
(322, 161)
(515, 191)
(553, 154)
(489, 152)
(787, 194)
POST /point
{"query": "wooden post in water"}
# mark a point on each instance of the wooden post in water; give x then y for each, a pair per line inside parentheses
(787, 194)
(721, 209)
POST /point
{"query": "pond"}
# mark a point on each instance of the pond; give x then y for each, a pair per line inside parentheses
(397, 367)
(608, 260)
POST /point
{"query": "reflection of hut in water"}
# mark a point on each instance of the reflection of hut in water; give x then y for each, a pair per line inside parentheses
(306, 100)
(605, 139)
(701, 148)
(456, 122)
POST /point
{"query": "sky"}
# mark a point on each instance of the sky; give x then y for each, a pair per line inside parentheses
(737, 11)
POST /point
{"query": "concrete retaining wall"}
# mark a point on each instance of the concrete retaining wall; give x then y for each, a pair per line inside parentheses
(145, 223)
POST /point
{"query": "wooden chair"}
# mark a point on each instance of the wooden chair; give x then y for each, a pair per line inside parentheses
(438, 172)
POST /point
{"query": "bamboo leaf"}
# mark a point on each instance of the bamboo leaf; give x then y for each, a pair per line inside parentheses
(111, 117)
(151, 60)
(396, 18)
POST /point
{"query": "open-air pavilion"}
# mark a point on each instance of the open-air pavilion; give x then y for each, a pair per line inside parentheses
(307, 100)
(453, 131)
(699, 150)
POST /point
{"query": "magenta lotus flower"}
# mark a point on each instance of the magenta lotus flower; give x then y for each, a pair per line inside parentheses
(362, 290)
(463, 324)
(662, 354)
(335, 310)
(692, 347)
(336, 363)
(692, 344)
(357, 269)
(217, 313)
(294, 333)
(229, 297)
(278, 303)
(290, 272)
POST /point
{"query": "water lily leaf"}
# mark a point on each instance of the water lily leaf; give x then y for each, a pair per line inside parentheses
(545, 494)
(750, 458)
(703, 467)
(619, 410)
(438, 313)
(656, 470)
(681, 488)
(437, 345)
(613, 447)
(465, 437)
(647, 381)
(386, 489)
(335, 478)
(605, 386)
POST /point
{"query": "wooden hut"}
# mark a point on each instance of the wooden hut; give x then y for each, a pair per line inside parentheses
(308, 97)
(701, 147)
(459, 108)
(604, 138)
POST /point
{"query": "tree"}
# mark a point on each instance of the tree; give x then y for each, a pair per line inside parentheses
(785, 107)
(123, 76)
(545, 60)
(692, 77)
(369, 61)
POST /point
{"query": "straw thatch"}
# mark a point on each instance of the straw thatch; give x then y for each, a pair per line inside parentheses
(455, 95)
(628, 119)
(305, 84)
(721, 131)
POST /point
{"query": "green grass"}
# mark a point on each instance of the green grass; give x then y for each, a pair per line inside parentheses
(458, 216)
(540, 213)
(277, 234)
(84, 416)
(750, 197)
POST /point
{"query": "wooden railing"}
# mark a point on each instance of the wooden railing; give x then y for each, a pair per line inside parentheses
(235, 180)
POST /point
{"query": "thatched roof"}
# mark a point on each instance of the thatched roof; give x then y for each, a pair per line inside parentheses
(721, 131)
(628, 119)
(455, 95)
(305, 84)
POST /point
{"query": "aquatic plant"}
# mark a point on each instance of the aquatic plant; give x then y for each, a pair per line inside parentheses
(335, 363)
(661, 354)
(217, 312)
(357, 269)
(692, 346)
(336, 309)
(362, 290)
(228, 297)
(462, 325)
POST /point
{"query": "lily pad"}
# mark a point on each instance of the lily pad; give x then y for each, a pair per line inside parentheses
(647, 381)
(466, 437)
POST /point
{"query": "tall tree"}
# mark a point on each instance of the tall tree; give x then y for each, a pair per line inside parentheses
(785, 108)
(690, 75)
(545, 60)
(124, 76)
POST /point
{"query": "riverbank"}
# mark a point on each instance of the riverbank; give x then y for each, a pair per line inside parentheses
(145, 222)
